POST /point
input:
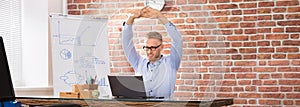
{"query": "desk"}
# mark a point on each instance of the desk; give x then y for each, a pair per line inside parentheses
(41, 101)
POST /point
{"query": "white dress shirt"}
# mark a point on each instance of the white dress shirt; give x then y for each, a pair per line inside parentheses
(159, 77)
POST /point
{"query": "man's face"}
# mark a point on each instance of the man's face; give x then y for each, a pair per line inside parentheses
(153, 49)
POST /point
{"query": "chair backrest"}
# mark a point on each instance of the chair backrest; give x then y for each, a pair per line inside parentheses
(7, 92)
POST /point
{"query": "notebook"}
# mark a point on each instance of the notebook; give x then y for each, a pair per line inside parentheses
(7, 91)
(129, 86)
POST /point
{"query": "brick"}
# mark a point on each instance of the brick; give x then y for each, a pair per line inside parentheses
(294, 36)
(250, 88)
(249, 95)
(270, 82)
(236, 57)
(245, 76)
(268, 89)
(289, 23)
(198, 14)
(264, 56)
(293, 9)
(72, 6)
(263, 10)
(293, 56)
(237, 38)
(191, 8)
(264, 17)
(94, 6)
(289, 82)
(248, 5)
(238, 89)
(279, 10)
(287, 3)
(263, 24)
(247, 24)
(246, 57)
(279, 56)
(238, 69)
(286, 89)
(244, 82)
(291, 75)
(250, 18)
(291, 42)
(220, 13)
(187, 88)
(277, 36)
(288, 69)
(81, 1)
(265, 4)
(190, 76)
(264, 69)
(81, 6)
(295, 62)
(276, 43)
(247, 50)
(182, 94)
(227, 6)
(197, 1)
(278, 63)
(257, 37)
(250, 31)
(218, 1)
(264, 30)
(74, 12)
(250, 44)
(278, 17)
(277, 30)
(264, 76)
(293, 95)
(265, 50)
(292, 29)
(249, 11)
(269, 102)
(236, 12)
(181, 2)
(263, 43)
(235, 19)
(292, 16)
(287, 49)
(227, 95)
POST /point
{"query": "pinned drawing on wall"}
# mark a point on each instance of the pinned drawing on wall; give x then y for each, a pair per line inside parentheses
(79, 52)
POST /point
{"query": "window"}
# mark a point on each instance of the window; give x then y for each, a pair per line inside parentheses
(24, 27)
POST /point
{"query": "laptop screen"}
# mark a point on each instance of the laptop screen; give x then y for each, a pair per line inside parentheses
(127, 86)
(7, 90)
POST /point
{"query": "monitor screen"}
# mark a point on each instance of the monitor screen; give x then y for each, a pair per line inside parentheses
(7, 90)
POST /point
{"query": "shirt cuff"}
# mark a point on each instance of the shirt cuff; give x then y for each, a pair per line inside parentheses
(170, 25)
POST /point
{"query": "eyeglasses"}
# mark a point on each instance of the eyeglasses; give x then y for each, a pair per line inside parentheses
(152, 48)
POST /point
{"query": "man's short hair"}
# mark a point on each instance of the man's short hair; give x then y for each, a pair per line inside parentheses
(154, 35)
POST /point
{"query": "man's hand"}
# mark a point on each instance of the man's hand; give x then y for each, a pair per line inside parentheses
(136, 14)
(149, 12)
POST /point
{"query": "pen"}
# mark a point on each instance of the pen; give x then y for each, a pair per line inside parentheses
(95, 79)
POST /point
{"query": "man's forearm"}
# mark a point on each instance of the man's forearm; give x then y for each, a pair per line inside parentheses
(130, 20)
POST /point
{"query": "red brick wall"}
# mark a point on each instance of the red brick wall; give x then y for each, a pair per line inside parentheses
(242, 49)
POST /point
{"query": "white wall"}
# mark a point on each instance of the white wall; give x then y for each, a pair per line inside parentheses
(35, 43)
(37, 63)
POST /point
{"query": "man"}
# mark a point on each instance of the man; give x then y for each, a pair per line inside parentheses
(158, 71)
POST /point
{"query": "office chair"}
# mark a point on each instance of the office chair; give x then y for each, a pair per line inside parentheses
(63, 105)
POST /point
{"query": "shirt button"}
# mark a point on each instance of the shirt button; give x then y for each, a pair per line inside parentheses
(150, 90)
(150, 80)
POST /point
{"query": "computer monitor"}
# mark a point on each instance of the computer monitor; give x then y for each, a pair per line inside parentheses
(7, 91)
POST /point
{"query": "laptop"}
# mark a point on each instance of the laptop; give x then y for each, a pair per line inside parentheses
(129, 86)
(7, 91)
